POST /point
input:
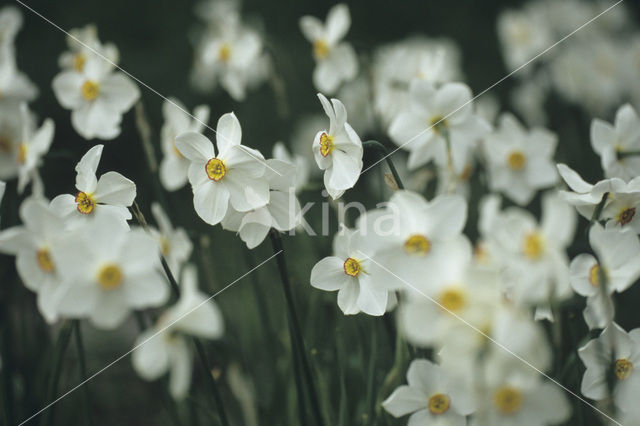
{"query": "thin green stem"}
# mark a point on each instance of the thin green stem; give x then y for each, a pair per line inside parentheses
(204, 362)
(62, 341)
(82, 368)
(295, 333)
(383, 153)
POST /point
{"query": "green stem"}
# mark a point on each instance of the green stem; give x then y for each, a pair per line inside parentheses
(297, 377)
(294, 330)
(62, 341)
(204, 362)
(382, 152)
(82, 368)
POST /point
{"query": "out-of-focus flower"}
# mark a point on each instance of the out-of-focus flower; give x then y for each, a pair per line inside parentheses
(356, 96)
(174, 243)
(108, 196)
(528, 99)
(33, 146)
(302, 169)
(10, 24)
(33, 244)
(232, 176)
(520, 161)
(336, 60)
(338, 151)
(174, 166)
(164, 347)
(618, 145)
(15, 87)
(523, 34)
(439, 124)
(83, 43)
(107, 270)
(10, 138)
(97, 96)
(282, 211)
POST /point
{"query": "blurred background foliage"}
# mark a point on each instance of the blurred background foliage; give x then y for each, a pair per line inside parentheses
(351, 355)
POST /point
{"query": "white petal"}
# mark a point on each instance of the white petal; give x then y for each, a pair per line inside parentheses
(195, 146)
(328, 274)
(181, 367)
(211, 202)
(119, 92)
(228, 132)
(404, 400)
(150, 357)
(86, 168)
(115, 189)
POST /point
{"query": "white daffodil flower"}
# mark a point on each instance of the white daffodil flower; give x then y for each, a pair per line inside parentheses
(233, 176)
(520, 161)
(15, 86)
(111, 195)
(33, 244)
(438, 124)
(33, 146)
(617, 254)
(338, 151)
(301, 164)
(523, 34)
(10, 138)
(174, 167)
(97, 97)
(174, 243)
(83, 43)
(351, 271)
(432, 396)
(282, 212)
(614, 354)
(336, 60)
(107, 270)
(618, 145)
(164, 347)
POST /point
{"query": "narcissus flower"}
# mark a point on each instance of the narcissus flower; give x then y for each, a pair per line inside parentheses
(520, 161)
(107, 270)
(432, 396)
(174, 166)
(165, 346)
(233, 175)
(110, 195)
(336, 60)
(97, 97)
(523, 34)
(33, 146)
(83, 43)
(338, 151)
(174, 243)
(438, 124)
(618, 145)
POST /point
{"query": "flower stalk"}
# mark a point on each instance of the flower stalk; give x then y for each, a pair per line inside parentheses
(382, 153)
(82, 368)
(62, 341)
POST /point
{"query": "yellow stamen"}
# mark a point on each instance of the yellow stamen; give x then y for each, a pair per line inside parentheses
(215, 169)
(320, 49)
(623, 369)
(453, 299)
(594, 275)
(438, 124)
(165, 247)
(352, 267)
(326, 144)
(78, 62)
(85, 203)
(516, 161)
(110, 277)
(22, 153)
(626, 215)
(417, 244)
(533, 246)
(507, 400)
(44, 260)
(90, 90)
(439, 403)
(176, 151)
(224, 54)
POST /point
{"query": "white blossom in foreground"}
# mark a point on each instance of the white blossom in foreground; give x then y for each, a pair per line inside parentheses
(338, 151)
(617, 262)
(614, 354)
(166, 347)
(110, 195)
(33, 244)
(618, 145)
(174, 243)
(438, 124)
(174, 166)
(282, 212)
(520, 161)
(232, 177)
(336, 60)
(33, 146)
(97, 97)
(432, 396)
(107, 270)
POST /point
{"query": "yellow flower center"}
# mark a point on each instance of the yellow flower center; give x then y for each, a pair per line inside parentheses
(417, 244)
(78, 62)
(22, 153)
(625, 215)
(90, 90)
(110, 277)
(453, 299)
(439, 403)
(215, 169)
(5, 144)
(165, 247)
(45, 262)
(320, 49)
(224, 54)
(507, 400)
(594, 274)
(438, 124)
(516, 161)
(533, 246)
(326, 144)
(352, 267)
(623, 369)
(85, 203)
